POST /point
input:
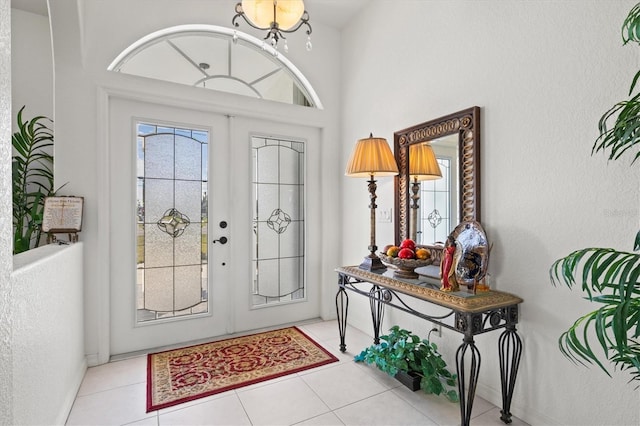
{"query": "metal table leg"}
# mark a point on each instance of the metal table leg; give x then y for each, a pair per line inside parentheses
(466, 401)
(510, 350)
(377, 311)
(342, 308)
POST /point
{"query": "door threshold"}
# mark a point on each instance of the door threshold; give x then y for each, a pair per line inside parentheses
(135, 354)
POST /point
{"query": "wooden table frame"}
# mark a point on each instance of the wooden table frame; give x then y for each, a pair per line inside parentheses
(467, 314)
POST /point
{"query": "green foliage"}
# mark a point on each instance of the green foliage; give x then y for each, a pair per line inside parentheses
(32, 175)
(401, 350)
(631, 26)
(609, 278)
(619, 127)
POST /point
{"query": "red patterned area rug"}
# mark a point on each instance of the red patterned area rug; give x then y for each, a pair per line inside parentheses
(185, 374)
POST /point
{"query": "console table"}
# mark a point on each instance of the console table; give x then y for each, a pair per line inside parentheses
(465, 313)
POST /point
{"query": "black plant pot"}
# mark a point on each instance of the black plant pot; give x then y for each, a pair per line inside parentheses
(409, 379)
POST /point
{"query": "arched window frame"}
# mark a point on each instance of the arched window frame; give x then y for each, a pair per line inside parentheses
(259, 46)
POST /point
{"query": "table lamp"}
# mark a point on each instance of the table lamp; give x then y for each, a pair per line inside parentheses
(372, 157)
(423, 165)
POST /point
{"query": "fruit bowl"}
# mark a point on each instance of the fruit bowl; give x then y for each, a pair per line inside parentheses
(404, 268)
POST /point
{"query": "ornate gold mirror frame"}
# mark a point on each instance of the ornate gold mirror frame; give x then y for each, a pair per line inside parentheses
(466, 124)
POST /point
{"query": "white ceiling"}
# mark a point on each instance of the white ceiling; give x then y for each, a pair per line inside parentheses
(333, 13)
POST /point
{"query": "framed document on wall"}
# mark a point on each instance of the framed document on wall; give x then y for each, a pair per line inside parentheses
(62, 214)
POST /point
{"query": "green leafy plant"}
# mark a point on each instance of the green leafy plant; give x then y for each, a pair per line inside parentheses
(609, 277)
(620, 126)
(32, 174)
(401, 350)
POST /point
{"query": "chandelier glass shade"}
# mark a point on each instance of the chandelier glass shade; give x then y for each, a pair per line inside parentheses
(274, 16)
(261, 12)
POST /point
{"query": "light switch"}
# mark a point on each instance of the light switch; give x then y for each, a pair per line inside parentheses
(385, 215)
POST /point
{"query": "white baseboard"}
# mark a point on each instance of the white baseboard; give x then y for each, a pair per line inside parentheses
(524, 413)
(92, 360)
(72, 392)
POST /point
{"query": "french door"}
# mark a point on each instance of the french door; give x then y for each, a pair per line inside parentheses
(282, 213)
(209, 224)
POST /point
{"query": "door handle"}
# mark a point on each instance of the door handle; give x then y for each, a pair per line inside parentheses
(221, 240)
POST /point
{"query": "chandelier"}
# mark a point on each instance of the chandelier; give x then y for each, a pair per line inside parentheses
(275, 16)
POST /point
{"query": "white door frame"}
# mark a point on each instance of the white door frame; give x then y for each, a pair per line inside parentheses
(222, 103)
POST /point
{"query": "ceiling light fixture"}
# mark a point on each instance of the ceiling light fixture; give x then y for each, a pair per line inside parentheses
(275, 16)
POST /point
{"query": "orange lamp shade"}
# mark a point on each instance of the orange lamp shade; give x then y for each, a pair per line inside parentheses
(371, 157)
(423, 164)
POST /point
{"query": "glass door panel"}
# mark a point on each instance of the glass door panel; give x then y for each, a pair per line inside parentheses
(278, 223)
(172, 278)
(434, 223)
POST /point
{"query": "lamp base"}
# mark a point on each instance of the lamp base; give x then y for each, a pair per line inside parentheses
(372, 263)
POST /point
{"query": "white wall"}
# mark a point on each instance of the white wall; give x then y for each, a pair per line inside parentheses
(48, 344)
(42, 351)
(543, 72)
(6, 340)
(43, 358)
(31, 65)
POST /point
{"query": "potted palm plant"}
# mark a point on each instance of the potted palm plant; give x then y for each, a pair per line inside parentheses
(401, 351)
(608, 277)
(32, 176)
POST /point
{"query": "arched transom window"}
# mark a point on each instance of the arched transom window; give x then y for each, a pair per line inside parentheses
(218, 58)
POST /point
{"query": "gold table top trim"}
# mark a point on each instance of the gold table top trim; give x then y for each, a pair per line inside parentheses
(480, 302)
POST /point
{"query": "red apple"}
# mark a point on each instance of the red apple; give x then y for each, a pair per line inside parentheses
(406, 253)
(408, 243)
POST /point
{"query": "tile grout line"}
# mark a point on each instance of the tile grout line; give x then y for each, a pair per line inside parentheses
(110, 389)
(319, 397)
(244, 409)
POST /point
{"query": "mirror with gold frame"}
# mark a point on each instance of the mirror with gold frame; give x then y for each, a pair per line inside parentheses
(455, 139)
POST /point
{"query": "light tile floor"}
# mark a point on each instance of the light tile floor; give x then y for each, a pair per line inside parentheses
(341, 393)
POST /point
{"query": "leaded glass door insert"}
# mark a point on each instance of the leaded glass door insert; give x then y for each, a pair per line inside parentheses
(172, 209)
(434, 224)
(278, 221)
